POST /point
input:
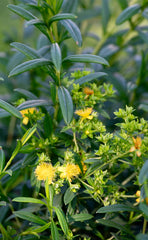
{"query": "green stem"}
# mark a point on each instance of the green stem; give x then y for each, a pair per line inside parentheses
(144, 226)
(110, 161)
(56, 108)
(75, 142)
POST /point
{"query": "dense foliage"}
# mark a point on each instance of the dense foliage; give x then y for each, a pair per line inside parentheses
(74, 129)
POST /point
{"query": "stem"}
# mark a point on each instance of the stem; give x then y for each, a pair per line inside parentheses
(129, 178)
(144, 226)
(111, 160)
(56, 105)
(75, 141)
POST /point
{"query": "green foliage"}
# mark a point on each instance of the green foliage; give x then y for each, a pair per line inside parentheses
(73, 162)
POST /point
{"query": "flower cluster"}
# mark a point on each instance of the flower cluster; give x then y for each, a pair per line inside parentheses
(31, 114)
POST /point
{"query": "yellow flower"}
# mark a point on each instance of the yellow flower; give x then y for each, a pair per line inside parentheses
(88, 91)
(86, 113)
(138, 193)
(69, 171)
(45, 170)
(137, 144)
(26, 111)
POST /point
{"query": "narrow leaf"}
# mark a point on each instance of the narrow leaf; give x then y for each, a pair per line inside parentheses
(56, 56)
(89, 77)
(127, 13)
(68, 196)
(26, 66)
(141, 236)
(144, 107)
(29, 217)
(116, 208)
(80, 217)
(54, 231)
(32, 103)
(21, 12)
(2, 159)
(86, 58)
(26, 93)
(28, 200)
(110, 223)
(28, 134)
(143, 173)
(105, 14)
(26, 50)
(144, 208)
(62, 220)
(9, 108)
(35, 22)
(58, 5)
(73, 30)
(61, 16)
(66, 104)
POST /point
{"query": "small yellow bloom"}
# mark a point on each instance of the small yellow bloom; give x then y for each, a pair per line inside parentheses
(88, 91)
(69, 171)
(45, 170)
(86, 113)
(138, 193)
(26, 111)
(137, 144)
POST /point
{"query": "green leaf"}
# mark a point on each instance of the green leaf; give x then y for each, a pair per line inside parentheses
(37, 229)
(2, 159)
(105, 14)
(144, 208)
(73, 30)
(28, 134)
(9, 108)
(5, 233)
(142, 236)
(143, 173)
(61, 16)
(58, 5)
(110, 223)
(29, 217)
(86, 58)
(26, 66)
(144, 107)
(80, 217)
(28, 16)
(68, 196)
(66, 104)
(56, 56)
(62, 220)
(127, 13)
(88, 14)
(123, 4)
(33, 103)
(3, 203)
(145, 13)
(35, 22)
(54, 231)
(28, 200)
(89, 77)
(40, 25)
(116, 208)
(143, 35)
(21, 12)
(26, 50)
(26, 93)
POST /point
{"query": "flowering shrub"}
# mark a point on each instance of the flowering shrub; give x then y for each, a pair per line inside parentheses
(79, 168)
